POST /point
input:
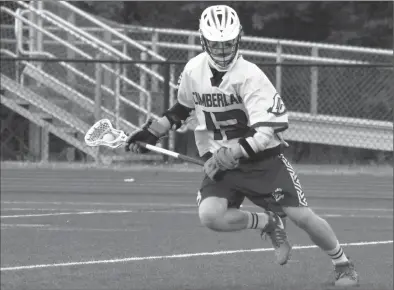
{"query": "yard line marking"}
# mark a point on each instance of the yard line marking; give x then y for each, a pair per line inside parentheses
(37, 209)
(320, 214)
(176, 256)
(144, 211)
(356, 216)
(103, 203)
(352, 209)
(64, 229)
(23, 225)
(195, 212)
(49, 209)
(173, 205)
(67, 213)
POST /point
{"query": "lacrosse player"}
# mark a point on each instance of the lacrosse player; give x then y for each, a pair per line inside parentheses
(239, 118)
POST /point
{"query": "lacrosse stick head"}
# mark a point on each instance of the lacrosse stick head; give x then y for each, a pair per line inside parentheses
(95, 135)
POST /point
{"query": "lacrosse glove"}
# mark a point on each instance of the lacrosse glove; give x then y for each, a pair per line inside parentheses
(150, 133)
(223, 159)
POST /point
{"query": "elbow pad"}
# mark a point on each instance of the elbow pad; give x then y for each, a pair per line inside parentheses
(176, 114)
(258, 142)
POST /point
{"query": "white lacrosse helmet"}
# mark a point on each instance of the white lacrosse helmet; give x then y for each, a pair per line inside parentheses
(220, 34)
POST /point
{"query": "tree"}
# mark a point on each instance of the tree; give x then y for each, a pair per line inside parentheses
(351, 22)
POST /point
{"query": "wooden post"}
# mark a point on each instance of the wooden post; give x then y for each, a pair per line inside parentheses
(40, 47)
(166, 100)
(34, 130)
(97, 92)
(171, 134)
(44, 145)
(191, 41)
(117, 95)
(155, 67)
(278, 78)
(314, 84)
(71, 80)
(142, 100)
(39, 41)
(124, 68)
(107, 78)
(98, 98)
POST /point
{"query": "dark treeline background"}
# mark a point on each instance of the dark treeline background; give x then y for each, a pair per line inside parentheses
(353, 23)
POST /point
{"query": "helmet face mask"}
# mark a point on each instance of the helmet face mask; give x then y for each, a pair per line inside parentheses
(222, 53)
(220, 34)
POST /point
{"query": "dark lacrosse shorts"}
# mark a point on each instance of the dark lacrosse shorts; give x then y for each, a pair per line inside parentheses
(269, 181)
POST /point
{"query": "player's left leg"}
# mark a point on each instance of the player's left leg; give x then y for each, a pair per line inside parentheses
(219, 208)
(215, 214)
(294, 204)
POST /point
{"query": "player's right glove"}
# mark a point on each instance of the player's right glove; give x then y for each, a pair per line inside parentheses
(223, 159)
(150, 133)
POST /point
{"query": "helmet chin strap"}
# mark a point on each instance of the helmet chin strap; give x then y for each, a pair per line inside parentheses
(214, 65)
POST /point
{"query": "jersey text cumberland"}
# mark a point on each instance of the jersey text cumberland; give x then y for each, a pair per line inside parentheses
(216, 100)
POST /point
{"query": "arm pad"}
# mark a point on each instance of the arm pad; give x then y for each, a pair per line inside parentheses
(176, 114)
(258, 142)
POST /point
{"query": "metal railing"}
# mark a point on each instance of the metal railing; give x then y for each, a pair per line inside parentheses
(126, 41)
(68, 46)
(87, 77)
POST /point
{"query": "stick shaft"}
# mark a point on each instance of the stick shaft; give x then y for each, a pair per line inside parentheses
(171, 153)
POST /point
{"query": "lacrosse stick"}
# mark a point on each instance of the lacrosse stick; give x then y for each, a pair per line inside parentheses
(103, 134)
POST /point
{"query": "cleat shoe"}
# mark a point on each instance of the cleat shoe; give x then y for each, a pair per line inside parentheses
(345, 275)
(275, 230)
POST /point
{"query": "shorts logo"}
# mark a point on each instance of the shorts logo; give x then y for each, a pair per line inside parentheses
(198, 198)
(278, 194)
(296, 181)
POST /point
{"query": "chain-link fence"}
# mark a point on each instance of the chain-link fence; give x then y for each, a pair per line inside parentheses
(341, 113)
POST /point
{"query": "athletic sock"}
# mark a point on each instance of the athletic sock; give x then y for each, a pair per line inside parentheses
(257, 220)
(337, 255)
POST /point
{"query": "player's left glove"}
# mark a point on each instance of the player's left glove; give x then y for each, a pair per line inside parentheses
(150, 133)
(223, 159)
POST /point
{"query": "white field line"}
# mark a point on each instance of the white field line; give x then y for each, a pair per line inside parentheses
(39, 209)
(60, 209)
(137, 204)
(23, 225)
(189, 212)
(320, 214)
(67, 213)
(177, 256)
(163, 204)
(40, 227)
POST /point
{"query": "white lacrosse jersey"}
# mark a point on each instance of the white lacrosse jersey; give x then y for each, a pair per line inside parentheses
(226, 112)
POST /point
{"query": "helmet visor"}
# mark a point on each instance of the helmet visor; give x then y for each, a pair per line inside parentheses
(222, 52)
